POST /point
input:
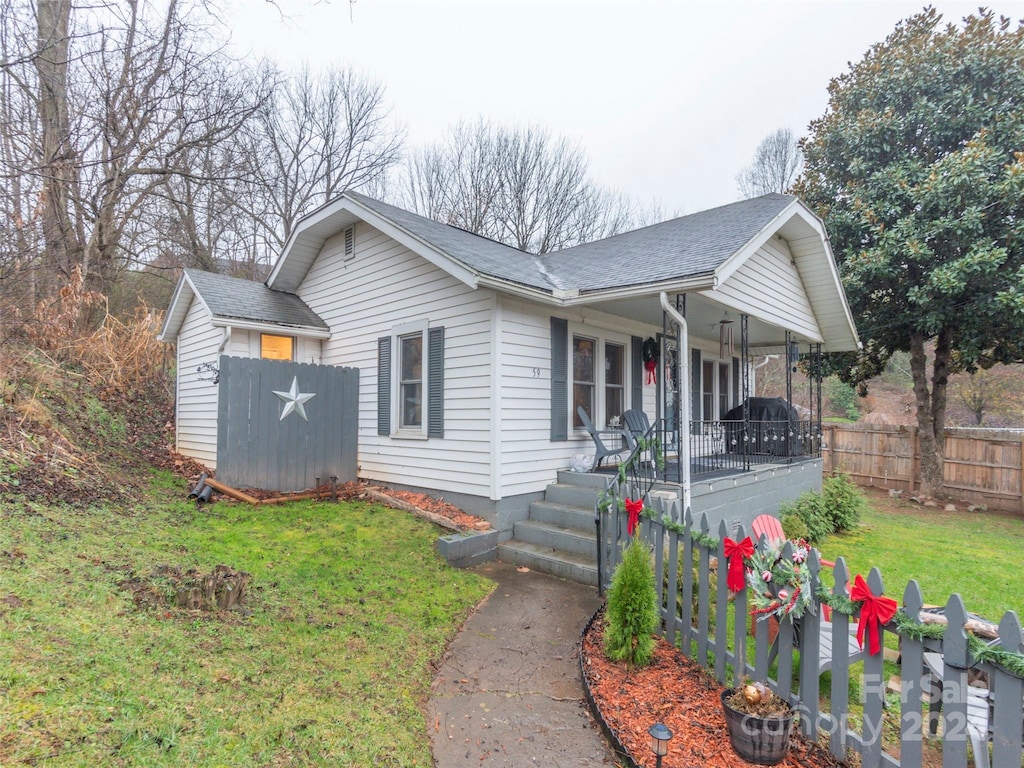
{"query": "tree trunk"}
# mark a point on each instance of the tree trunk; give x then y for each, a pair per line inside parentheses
(931, 410)
(58, 153)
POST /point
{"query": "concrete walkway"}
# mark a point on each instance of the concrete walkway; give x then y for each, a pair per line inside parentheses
(508, 692)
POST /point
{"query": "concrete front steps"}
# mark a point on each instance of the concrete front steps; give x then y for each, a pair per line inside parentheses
(559, 537)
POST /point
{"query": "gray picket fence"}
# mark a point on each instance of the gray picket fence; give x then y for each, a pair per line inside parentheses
(695, 607)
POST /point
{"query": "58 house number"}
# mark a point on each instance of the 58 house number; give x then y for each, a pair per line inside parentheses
(536, 372)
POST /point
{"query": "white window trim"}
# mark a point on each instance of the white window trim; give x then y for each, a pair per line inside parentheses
(601, 337)
(397, 333)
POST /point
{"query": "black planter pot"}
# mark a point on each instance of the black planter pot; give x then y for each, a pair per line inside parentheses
(758, 740)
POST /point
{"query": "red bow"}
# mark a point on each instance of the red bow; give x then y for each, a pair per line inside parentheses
(651, 366)
(633, 508)
(736, 552)
(875, 610)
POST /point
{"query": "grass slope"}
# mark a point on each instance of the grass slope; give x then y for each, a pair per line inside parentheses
(348, 610)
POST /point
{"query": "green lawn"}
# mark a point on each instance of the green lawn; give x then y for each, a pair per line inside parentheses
(348, 609)
(976, 554)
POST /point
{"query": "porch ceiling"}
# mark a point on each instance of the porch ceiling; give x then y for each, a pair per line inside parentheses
(703, 317)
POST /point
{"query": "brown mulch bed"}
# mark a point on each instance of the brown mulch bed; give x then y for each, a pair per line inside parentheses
(675, 691)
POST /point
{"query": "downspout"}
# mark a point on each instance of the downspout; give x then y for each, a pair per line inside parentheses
(683, 377)
(226, 340)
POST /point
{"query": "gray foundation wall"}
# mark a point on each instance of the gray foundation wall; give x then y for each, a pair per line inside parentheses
(741, 498)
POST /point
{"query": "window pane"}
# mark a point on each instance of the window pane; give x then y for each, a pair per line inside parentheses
(723, 389)
(412, 358)
(582, 378)
(582, 359)
(275, 347)
(582, 394)
(412, 405)
(614, 379)
(411, 384)
(614, 356)
(707, 390)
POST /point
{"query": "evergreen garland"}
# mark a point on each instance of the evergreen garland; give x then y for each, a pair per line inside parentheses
(1010, 661)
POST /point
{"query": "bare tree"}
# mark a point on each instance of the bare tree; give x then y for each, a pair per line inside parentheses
(775, 166)
(519, 186)
(318, 135)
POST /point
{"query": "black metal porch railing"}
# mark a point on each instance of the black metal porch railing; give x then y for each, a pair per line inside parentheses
(737, 445)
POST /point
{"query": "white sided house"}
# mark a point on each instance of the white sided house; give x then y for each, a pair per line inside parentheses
(474, 357)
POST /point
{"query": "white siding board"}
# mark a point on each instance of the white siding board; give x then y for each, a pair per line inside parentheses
(769, 287)
(385, 285)
(196, 414)
(529, 459)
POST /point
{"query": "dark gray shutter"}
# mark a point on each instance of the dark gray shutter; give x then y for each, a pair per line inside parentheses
(384, 385)
(694, 389)
(559, 379)
(636, 345)
(735, 382)
(435, 382)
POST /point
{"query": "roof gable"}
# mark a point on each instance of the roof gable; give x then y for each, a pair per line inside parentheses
(232, 300)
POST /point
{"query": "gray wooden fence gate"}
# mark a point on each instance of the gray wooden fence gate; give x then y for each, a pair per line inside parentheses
(281, 425)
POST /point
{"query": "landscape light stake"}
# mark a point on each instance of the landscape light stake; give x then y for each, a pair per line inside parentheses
(660, 737)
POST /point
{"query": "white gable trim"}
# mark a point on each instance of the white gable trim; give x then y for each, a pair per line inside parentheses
(316, 228)
(184, 293)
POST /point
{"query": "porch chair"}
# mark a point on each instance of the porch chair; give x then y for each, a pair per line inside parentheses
(637, 426)
(602, 451)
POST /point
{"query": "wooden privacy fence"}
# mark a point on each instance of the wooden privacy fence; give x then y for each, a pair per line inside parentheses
(282, 425)
(982, 466)
(695, 610)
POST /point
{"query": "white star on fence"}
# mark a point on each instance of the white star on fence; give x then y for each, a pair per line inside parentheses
(294, 400)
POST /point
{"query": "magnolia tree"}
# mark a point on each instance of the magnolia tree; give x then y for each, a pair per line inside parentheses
(917, 169)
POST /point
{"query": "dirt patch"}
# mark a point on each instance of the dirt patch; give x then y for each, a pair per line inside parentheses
(675, 691)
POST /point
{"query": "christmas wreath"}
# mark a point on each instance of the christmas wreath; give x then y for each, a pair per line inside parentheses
(780, 585)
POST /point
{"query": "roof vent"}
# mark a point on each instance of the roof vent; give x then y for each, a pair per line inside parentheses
(350, 243)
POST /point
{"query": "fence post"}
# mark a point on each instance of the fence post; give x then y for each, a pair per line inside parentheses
(1009, 693)
(954, 684)
(703, 584)
(912, 728)
(840, 702)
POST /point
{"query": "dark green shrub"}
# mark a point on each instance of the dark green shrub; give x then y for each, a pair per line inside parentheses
(632, 612)
(844, 501)
(810, 507)
(794, 526)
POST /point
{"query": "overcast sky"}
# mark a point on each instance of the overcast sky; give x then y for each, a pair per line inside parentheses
(668, 99)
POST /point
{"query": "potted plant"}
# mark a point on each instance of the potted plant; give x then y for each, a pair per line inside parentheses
(759, 723)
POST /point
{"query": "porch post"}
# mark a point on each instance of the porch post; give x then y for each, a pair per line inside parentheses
(745, 352)
(790, 368)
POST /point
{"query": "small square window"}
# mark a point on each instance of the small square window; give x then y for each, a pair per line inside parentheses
(276, 347)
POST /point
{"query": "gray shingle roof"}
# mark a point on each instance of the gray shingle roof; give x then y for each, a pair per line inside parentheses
(690, 246)
(478, 253)
(238, 299)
